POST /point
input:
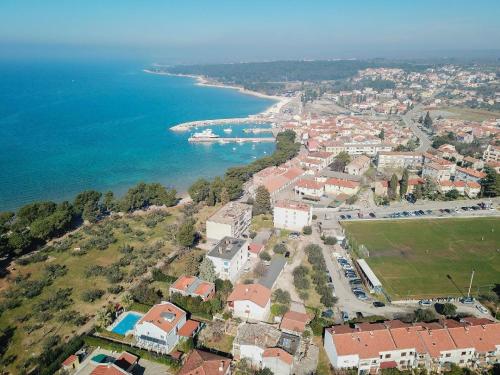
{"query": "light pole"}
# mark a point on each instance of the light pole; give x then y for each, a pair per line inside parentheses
(470, 285)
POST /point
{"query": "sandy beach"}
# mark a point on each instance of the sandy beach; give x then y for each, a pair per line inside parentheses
(265, 115)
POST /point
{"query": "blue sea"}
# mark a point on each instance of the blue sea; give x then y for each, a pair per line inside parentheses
(68, 127)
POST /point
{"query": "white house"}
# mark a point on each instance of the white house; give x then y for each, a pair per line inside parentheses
(309, 188)
(250, 302)
(229, 256)
(468, 174)
(340, 186)
(358, 165)
(292, 215)
(278, 361)
(162, 327)
(231, 220)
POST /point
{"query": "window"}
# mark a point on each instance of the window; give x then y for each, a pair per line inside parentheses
(462, 361)
(464, 353)
(403, 354)
(448, 355)
(387, 356)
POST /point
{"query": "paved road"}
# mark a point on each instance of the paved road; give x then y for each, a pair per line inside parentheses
(425, 142)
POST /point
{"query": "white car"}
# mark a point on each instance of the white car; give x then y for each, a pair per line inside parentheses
(425, 303)
(482, 309)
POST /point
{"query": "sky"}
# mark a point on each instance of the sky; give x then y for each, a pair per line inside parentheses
(192, 31)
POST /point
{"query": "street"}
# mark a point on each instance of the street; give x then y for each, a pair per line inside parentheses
(425, 142)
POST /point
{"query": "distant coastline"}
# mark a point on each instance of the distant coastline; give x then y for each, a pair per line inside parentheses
(264, 116)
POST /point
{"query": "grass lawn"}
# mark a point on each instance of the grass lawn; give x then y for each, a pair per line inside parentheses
(471, 114)
(412, 258)
(32, 328)
(260, 222)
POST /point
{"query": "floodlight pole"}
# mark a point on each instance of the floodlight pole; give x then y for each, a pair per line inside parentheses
(470, 285)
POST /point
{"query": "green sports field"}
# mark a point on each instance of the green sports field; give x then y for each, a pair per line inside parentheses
(412, 258)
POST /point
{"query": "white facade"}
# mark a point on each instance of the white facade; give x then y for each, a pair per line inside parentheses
(228, 263)
(231, 220)
(249, 310)
(346, 361)
(276, 365)
(252, 353)
(292, 216)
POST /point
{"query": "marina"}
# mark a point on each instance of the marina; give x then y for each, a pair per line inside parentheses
(230, 140)
(227, 121)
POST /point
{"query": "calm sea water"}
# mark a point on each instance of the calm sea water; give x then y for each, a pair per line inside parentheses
(65, 128)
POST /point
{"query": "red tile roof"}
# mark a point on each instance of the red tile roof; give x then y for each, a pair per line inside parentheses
(293, 205)
(188, 329)
(258, 294)
(342, 183)
(278, 353)
(310, 184)
(203, 363)
(255, 248)
(154, 316)
(294, 321)
(68, 361)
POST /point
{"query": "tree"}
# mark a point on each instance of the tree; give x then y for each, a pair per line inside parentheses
(427, 120)
(340, 161)
(278, 309)
(127, 300)
(262, 204)
(429, 188)
(104, 316)
(224, 196)
(265, 256)
(86, 199)
(260, 269)
(393, 187)
(419, 191)
(187, 233)
(199, 190)
(211, 199)
(403, 184)
(447, 309)
(192, 264)
(280, 248)
(144, 195)
(424, 315)
(307, 230)
(490, 184)
(330, 240)
(264, 371)
(207, 270)
(282, 296)
(108, 201)
(452, 195)
(381, 135)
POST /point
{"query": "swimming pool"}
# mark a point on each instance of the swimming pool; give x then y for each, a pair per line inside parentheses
(126, 323)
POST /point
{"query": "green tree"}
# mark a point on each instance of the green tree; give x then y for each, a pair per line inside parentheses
(278, 309)
(307, 230)
(447, 309)
(424, 315)
(393, 187)
(104, 316)
(88, 198)
(419, 191)
(429, 189)
(403, 184)
(108, 201)
(340, 161)
(187, 233)
(199, 190)
(282, 296)
(211, 199)
(127, 300)
(207, 270)
(452, 195)
(265, 256)
(490, 184)
(381, 135)
(262, 203)
(5, 221)
(427, 120)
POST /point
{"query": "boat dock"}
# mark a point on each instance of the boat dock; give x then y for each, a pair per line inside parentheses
(258, 130)
(227, 121)
(230, 140)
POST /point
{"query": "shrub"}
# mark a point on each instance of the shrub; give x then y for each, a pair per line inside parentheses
(265, 256)
(278, 309)
(280, 248)
(115, 289)
(92, 295)
(307, 230)
(330, 240)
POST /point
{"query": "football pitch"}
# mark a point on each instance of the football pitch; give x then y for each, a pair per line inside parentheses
(431, 257)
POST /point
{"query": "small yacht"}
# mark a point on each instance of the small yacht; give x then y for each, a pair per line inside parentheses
(228, 130)
(205, 135)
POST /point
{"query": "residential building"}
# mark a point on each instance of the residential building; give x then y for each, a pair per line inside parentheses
(339, 186)
(291, 215)
(468, 174)
(231, 220)
(161, 328)
(309, 189)
(472, 189)
(204, 363)
(229, 256)
(263, 345)
(394, 160)
(492, 153)
(193, 287)
(436, 171)
(358, 166)
(294, 322)
(473, 163)
(250, 302)
(394, 344)
(124, 364)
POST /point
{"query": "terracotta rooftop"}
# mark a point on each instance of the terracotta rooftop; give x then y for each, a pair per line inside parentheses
(203, 363)
(256, 293)
(278, 353)
(342, 183)
(294, 321)
(309, 184)
(164, 315)
(293, 205)
(188, 329)
(68, 361)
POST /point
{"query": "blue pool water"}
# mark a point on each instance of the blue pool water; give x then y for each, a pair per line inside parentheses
(127, 323)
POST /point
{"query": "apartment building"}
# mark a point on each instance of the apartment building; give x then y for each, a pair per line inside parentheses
(492, 154)
(291, 215)
(229, 256)
(468, 174)
(394, 160)
(358, 165)
(394, 344)
(231, 220)
(193, 287)
(250, 302)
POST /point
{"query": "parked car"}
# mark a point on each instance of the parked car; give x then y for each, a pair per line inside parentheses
(355, 282)
(371, 214)
(342, 217)
(425, 303)
(378, 304)
(327, 313)
(345, 316)
(287, 254)
(294, 235)
(361, 296)
(359, 315)
(467, 300)
(348, 216)
(482, 309)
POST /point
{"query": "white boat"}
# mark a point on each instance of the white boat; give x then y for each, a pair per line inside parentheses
(234, 148)
(228, 130)
(203, 136)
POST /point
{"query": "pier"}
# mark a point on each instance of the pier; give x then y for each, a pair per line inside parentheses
(258, 130)
(231, 140)
(185, 126)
